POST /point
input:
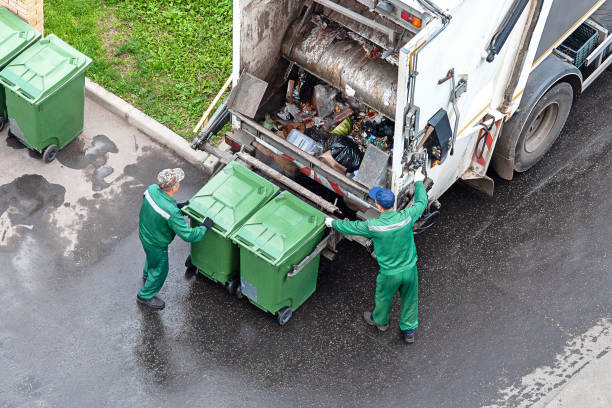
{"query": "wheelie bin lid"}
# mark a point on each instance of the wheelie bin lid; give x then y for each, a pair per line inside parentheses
(42, 69)
(15, 36)
(280, 228)
(230, 198)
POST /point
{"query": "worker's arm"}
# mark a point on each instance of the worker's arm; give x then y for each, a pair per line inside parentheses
(420, 201)
(352, 227)
(180, 227)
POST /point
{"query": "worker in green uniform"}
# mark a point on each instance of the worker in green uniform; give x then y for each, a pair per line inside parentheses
(160, 220)
(396, 254)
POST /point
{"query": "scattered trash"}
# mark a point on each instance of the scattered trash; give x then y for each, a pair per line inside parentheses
(305, 143)
(330, 123)
(343, 128)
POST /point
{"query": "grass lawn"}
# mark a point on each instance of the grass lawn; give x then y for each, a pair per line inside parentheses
(167, 57)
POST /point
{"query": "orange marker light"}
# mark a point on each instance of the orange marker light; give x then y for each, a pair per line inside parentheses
(415, 21)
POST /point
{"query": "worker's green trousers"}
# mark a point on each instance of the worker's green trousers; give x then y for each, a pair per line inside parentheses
(408, 285)
(155, 271)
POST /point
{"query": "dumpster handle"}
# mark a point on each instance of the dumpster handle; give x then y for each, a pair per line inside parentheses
(318, 249)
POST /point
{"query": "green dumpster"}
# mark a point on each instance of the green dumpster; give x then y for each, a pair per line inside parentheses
(45, 95)
(229, 198)
(278, 237)
(15, 36)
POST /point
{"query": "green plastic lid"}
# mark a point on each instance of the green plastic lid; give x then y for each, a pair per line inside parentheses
(15, 36)
(280, 227)
(230, 198)
(43, 68)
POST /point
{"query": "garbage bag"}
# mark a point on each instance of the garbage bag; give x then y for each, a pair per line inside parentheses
(346, 152)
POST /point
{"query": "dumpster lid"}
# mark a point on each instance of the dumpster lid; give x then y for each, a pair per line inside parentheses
(15, 35)
(43, 68)
(280, 227)
(230, 197)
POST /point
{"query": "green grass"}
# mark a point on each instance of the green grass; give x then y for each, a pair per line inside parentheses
(169, 58)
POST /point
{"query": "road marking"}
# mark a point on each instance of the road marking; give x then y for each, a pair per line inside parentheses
(544, 383)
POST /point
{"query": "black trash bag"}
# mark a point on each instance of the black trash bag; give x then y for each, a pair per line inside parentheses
(346, 152)
(324, 138)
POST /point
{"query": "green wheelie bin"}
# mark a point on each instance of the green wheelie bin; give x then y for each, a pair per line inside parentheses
(229, 198)
(15, 36)
(274, 240)
(45, 95)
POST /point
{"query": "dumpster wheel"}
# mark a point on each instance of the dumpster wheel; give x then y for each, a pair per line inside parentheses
(232, 286)
(284, 315)
(50, 153)
(239, 294)
(190, 268)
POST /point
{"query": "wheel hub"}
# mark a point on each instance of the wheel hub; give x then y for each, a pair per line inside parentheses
(541, 127)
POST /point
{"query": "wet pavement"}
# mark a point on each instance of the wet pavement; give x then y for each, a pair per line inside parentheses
(514, 291)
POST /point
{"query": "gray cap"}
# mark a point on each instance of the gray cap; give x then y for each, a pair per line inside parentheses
(169, 177)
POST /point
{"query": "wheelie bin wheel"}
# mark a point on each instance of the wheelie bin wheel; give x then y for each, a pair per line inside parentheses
(2, 123)
(284, 315)
(190, 268)
(231, 286)
(50, 153)
(239, 294)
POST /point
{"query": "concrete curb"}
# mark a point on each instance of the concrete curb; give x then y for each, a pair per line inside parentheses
(149, 126)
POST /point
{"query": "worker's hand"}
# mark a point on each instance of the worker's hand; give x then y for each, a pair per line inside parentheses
(328, 221)
(181, 205)
(418, 175)
(208, 223)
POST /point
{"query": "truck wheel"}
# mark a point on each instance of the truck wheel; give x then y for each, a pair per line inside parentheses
(284, 315)
(543, 126)
(50, 153)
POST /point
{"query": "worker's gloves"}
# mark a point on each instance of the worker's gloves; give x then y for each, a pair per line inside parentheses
(208, 223)
(419, 176)
(328, 221)
(183, 204)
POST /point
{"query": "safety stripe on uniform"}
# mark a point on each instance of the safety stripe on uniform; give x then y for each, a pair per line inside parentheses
(156, 207)
(384, 228)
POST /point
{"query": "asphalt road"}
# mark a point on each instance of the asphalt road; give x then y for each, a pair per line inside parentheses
(514, 291)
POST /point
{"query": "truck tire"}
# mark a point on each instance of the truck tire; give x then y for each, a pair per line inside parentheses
(543, 126)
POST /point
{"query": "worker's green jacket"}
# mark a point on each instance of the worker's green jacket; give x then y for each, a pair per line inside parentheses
(391, 234)
(161, 220)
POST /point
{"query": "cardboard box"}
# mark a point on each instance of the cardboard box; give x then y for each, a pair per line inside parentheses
(329, 160)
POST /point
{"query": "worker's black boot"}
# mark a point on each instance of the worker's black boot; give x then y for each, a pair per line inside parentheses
(408, 336)
(367, 316)
(155, 303)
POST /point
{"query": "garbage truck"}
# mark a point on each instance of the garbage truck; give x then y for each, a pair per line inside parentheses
(457, 86)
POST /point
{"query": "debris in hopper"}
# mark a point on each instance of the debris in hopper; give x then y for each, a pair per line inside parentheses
(290, 88)
(346, 152)
(329, 160)
(329, 123)
(343, 128)
(305, 143)
(323, 99)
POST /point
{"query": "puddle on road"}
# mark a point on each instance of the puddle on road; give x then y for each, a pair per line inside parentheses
(23, 203)
(76, 156)
(14, 143)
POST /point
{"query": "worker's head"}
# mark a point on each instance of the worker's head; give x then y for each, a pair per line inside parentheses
(169, 180)
(384, 198)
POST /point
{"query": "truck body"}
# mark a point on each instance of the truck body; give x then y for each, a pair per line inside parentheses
(468, 84)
